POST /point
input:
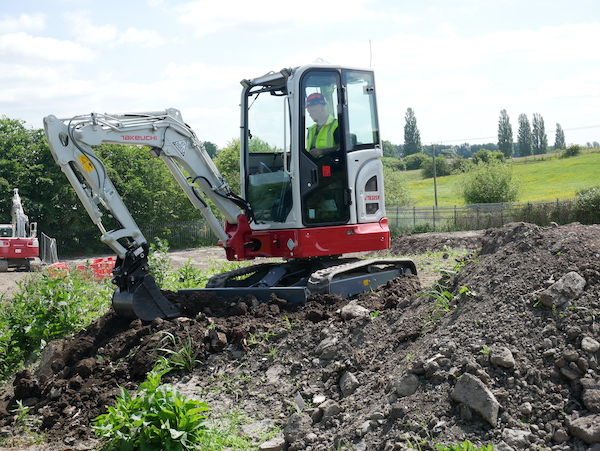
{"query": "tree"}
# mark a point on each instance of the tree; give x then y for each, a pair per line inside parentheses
(559, 139)
(412, 137)
(389, 150)
(228, 164)
(211, 149)
(489, 183)
(539, 138)
(524, 140)
(505, 135)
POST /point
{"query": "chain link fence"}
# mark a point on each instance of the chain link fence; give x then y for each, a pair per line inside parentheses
(181, 235)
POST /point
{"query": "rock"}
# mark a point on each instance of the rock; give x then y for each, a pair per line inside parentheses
(470, 391)
(353, 310)
(330, 408)
(348, 383)
(526, 408)
(326, 349)
(588, 344)
(591, 395)
(567, 288)
(406, 386)
(275, 444)
(517, 438)
(297, 427)
(586, 428)
(502, 357)
(560, 436)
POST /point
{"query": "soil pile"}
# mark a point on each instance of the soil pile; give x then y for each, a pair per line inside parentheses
(503, 350)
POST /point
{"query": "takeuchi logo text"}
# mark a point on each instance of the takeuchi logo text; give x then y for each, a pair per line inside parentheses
(139, 137)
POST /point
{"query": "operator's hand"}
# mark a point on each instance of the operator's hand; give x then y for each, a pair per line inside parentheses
(319, 152)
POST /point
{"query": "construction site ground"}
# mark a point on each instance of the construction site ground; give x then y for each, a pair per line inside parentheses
(500, 348)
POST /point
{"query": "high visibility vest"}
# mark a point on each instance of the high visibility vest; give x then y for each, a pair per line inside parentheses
(323, 139)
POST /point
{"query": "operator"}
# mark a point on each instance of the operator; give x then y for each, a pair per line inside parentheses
(323, 136)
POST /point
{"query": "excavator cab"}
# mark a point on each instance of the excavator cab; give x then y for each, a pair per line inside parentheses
(290, 181)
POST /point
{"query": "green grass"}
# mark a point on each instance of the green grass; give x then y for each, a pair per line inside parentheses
(540, 179)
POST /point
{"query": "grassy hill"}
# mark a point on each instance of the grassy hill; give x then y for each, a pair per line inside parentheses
(546, 177)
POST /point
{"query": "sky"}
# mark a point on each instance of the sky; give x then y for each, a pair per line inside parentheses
(456, 63)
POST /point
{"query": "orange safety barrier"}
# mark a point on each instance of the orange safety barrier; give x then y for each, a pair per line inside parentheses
(102, 267)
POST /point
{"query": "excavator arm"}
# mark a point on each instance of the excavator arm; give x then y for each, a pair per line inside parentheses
(71, 142)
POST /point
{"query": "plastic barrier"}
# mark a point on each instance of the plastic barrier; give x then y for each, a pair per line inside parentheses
(102, 267)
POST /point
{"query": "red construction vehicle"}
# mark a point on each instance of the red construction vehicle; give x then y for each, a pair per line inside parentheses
(306, 197)
(19, 246)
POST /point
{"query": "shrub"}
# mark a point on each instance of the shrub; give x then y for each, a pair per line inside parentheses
(588, 201)
(571, 151)
(442, 167)
(158, 418)
(415, 161)
(487, 156)
(47, 307)
(489, 183)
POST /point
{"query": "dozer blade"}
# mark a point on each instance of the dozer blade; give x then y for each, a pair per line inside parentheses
(294, 295)
(143, 300)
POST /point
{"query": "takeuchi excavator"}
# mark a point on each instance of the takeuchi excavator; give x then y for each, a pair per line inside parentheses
(304, 207)
(19, 246)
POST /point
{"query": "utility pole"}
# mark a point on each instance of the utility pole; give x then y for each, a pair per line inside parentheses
(434, 175)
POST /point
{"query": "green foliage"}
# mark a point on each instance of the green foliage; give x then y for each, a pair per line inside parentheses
(175, 354)
(47, 307)
(489, 183)
(389, 150)
(396, 188)
(160, 262)
(488, 156)
(559, 140)
(464, 446)
(505, 135)
(393, 163)
(442, 167)
(415, 161)
(571, 151)
(412, 137)
(158, 418)
(228, 163)
(524, 138)
(538, 136)
(588, 200)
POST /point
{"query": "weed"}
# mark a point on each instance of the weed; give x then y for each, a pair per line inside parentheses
(157, 418)
(464, 446)
(485, 350)
(26, 426)
(47, 308)
(181, 357)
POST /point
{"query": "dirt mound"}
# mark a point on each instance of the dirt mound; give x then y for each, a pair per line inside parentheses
(505, 352)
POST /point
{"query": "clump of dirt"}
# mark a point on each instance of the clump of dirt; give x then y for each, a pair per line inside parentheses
(504, 351)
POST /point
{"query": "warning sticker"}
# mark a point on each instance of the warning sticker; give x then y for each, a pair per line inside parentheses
(86, 163)
(181, 146)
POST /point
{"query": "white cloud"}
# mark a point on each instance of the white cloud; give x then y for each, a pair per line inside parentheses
(18, 46)
(89, 33)
(148, 38)
(24, 22)
(208, 16)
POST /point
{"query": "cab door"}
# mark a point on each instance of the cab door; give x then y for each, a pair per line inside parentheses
(324, 191)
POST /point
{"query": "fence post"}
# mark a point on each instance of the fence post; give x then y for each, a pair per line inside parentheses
(433, 209)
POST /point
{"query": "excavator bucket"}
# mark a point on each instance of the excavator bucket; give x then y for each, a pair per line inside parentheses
(143, 300)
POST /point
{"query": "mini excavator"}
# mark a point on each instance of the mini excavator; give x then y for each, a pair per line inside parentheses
(308, 197)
